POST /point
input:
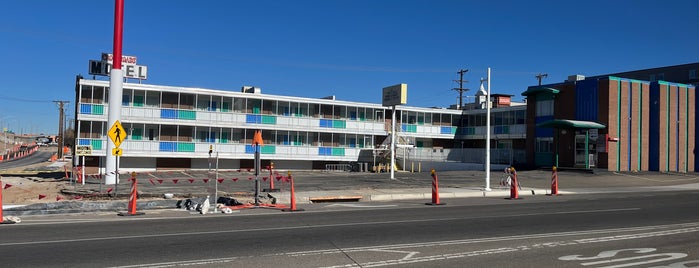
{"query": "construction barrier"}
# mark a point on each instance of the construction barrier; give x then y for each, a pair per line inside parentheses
(8, 219)
(435, 190)
(554, 181)
(514, 194)
(133, 198)
(292, 202)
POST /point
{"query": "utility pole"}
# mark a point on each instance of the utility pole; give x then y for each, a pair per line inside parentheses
(541, 76)
(461, 88)
(61, 113)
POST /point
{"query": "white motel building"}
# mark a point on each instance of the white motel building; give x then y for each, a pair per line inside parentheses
(173, 127)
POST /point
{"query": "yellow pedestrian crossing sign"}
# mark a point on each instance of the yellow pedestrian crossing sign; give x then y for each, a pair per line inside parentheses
(117, 134)
(117, 151)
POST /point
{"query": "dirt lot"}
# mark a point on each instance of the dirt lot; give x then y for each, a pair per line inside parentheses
(33, 184)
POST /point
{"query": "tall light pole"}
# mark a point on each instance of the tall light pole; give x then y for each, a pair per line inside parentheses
(487, 137)
(116, 80)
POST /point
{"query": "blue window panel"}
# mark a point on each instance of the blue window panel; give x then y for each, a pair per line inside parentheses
(586, 96)
(353, 115)
(543, 132)
(168, 146)
(286, 140)
(326, 123)
(84, 142)
(212, 137)
(404, 127)
(168, 113)
(125, 100)
(325, 151)
(253, 119)
(286, 111)
(249, 149)
(353, 143)
(85, 108)
(213, 106)
(445, 130)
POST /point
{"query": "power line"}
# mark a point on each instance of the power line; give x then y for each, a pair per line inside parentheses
(461, 88)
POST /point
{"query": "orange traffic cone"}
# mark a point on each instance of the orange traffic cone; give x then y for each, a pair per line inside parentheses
(435, 190)
(514, 193)
(554, 181)
(293, 197)
(132, 198)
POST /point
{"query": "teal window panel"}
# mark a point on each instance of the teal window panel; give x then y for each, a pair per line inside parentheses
(362, 116)
(255, 110)
(98, 109)
(96, 144)
(269, 119)
(268, 149)
(543, 159)
(186, 115)
(137, 134)
(412, 128)
(224, 137)
(338, 151)
(419, 144)
(225, 107)
(339, 124)
(138, 101)
(185, 147)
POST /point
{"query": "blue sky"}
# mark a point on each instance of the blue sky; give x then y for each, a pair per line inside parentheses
(350, 49)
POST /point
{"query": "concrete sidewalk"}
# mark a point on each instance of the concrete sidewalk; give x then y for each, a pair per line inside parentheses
(329, 187)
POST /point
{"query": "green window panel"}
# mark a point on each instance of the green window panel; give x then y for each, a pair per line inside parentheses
(224, 137)
(453, 130)
(137, 134)
(268, 149)
(269, 119)
(339, 124)
(338, 152)
(255, 110)
(186, 115)
(419, 144)
(298, 143)
(411, 128)
(138, 101)
(185, 147)
(225, 107)
(362, 116)
(98, 109)
(96, 144)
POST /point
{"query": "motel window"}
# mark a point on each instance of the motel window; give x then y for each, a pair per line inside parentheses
(544, 107)
(692, 74)
(543, 144)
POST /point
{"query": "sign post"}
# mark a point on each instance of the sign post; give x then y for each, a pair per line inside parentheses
(82, 151)
(392, 96)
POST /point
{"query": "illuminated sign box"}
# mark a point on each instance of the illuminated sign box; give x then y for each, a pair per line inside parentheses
(395, 95)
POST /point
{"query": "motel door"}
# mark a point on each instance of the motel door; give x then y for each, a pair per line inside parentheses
(586, 139)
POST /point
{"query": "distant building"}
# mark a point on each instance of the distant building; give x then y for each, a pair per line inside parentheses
(683, 74)
(615, 123)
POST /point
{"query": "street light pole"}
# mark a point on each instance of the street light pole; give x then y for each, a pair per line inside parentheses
(487, 138)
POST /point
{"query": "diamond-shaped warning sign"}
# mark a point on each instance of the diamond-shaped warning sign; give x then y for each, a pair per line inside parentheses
(117, 134)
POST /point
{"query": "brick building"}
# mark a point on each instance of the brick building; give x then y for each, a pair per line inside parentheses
(614, 123)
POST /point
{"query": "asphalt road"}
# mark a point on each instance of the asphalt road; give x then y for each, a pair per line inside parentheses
(41, 156)
(620, 230)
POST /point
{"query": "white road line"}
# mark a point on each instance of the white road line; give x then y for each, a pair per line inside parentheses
(106, 238)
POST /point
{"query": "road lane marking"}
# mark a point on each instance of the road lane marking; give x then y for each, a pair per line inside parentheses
(410, 256)
(108, 238)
